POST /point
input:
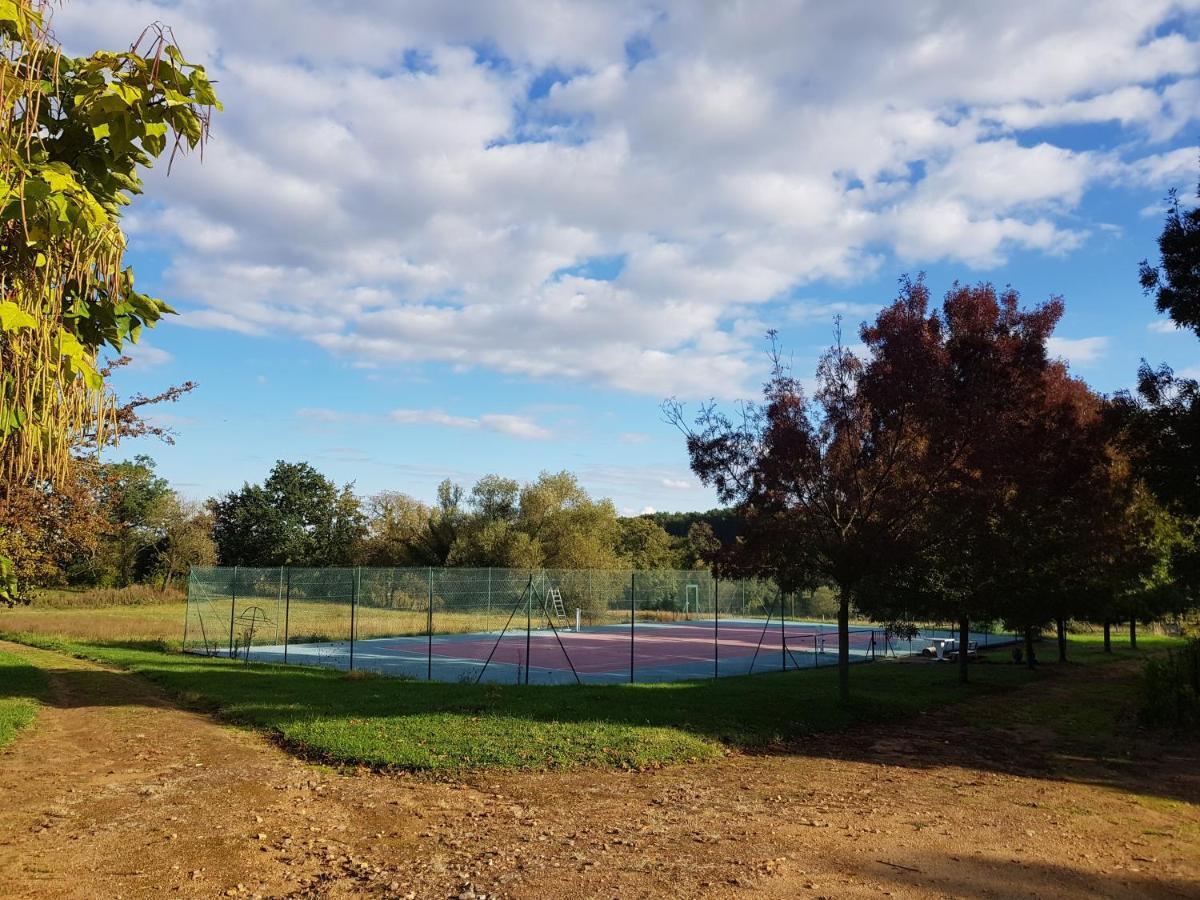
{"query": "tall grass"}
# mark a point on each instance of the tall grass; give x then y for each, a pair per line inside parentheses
(102, 598)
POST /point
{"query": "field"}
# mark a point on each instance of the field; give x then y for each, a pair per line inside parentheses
(365, 786)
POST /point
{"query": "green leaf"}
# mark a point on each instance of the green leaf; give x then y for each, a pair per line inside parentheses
(13, 318)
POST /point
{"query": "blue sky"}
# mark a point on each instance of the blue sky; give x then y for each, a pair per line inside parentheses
(446, 239)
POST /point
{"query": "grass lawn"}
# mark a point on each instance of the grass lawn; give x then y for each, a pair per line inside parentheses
(20, 686)
(440, 727)
(451, 727)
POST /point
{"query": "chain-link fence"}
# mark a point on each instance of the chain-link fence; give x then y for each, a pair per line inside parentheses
(522, 626)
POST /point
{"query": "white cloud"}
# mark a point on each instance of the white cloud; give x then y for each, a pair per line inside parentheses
(382, 189)
(633, 437)
(1163, 326)
(678, 484)
(518, 426)
(142, 356)
(1078, 351)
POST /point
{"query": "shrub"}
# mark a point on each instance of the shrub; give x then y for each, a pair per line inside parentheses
(1171, 686)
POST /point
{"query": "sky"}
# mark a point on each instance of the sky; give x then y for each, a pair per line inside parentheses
(440, 239)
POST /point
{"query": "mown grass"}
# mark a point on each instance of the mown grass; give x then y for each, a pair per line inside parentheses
(1100, 706)
(20, 686)
(447, 728)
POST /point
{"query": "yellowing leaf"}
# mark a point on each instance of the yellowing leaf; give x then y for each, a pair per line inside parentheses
(13, 318)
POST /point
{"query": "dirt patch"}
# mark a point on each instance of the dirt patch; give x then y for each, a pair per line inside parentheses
(118, 793)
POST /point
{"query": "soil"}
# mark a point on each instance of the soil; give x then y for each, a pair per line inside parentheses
(117, 792)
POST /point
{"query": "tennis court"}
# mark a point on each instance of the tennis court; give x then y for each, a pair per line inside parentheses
(522, 626)
(610, 654)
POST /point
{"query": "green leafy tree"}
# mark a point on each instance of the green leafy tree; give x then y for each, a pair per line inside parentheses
(296, 517)
(644, 544)
(1175, 281)
(569, 528)
(132, 495)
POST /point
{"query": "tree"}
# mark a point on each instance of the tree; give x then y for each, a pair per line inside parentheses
(1160, 423)
(75, 134)
(131, 494)
(831, 490)
(569, 529)
(395, 525)
(296, 517)
(1175, 281)
(184, 537)
(46, 530)
(644, 544)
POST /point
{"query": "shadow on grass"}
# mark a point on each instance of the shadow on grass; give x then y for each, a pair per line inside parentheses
(1057, 722)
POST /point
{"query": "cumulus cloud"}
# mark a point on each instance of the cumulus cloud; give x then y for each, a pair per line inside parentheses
(435, 182)
(1078, 351)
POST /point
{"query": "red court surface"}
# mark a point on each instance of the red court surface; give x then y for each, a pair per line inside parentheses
(607, 649)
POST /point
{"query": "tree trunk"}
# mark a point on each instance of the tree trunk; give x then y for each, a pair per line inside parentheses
(1107, 636)
(964, 634)
(1062, 639)
(1029, 660)
(1132, 632)
(844, 644)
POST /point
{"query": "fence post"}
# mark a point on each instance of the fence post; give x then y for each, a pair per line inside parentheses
(632, 619)
(782, 631)
(287, 609)
(487, 622)
(187, 610)
(353, 609)
(429, 629)
(529, 620)
(232, 607)
(716, 629)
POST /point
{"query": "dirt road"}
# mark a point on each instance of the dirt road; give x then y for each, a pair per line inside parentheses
(116, 792)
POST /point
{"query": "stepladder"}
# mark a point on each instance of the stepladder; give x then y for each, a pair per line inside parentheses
(556, 607)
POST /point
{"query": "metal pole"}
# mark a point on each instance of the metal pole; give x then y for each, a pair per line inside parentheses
(782, 632)
(716, 629)
(232, 606)
(487, 622)
(429, 630)
(353, 605)
(528, 624)
(632, 618)
(278, 600)
(287, 609)
(187, 611)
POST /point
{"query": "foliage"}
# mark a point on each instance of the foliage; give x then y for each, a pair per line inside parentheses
(396, 526)
(48, 531)
(75, 134)
(296, 517)
(723, 523)
(644, 544)
(1171, 690)
(832, 490)
(184, 538)
(1175, 281)
(131, 495)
